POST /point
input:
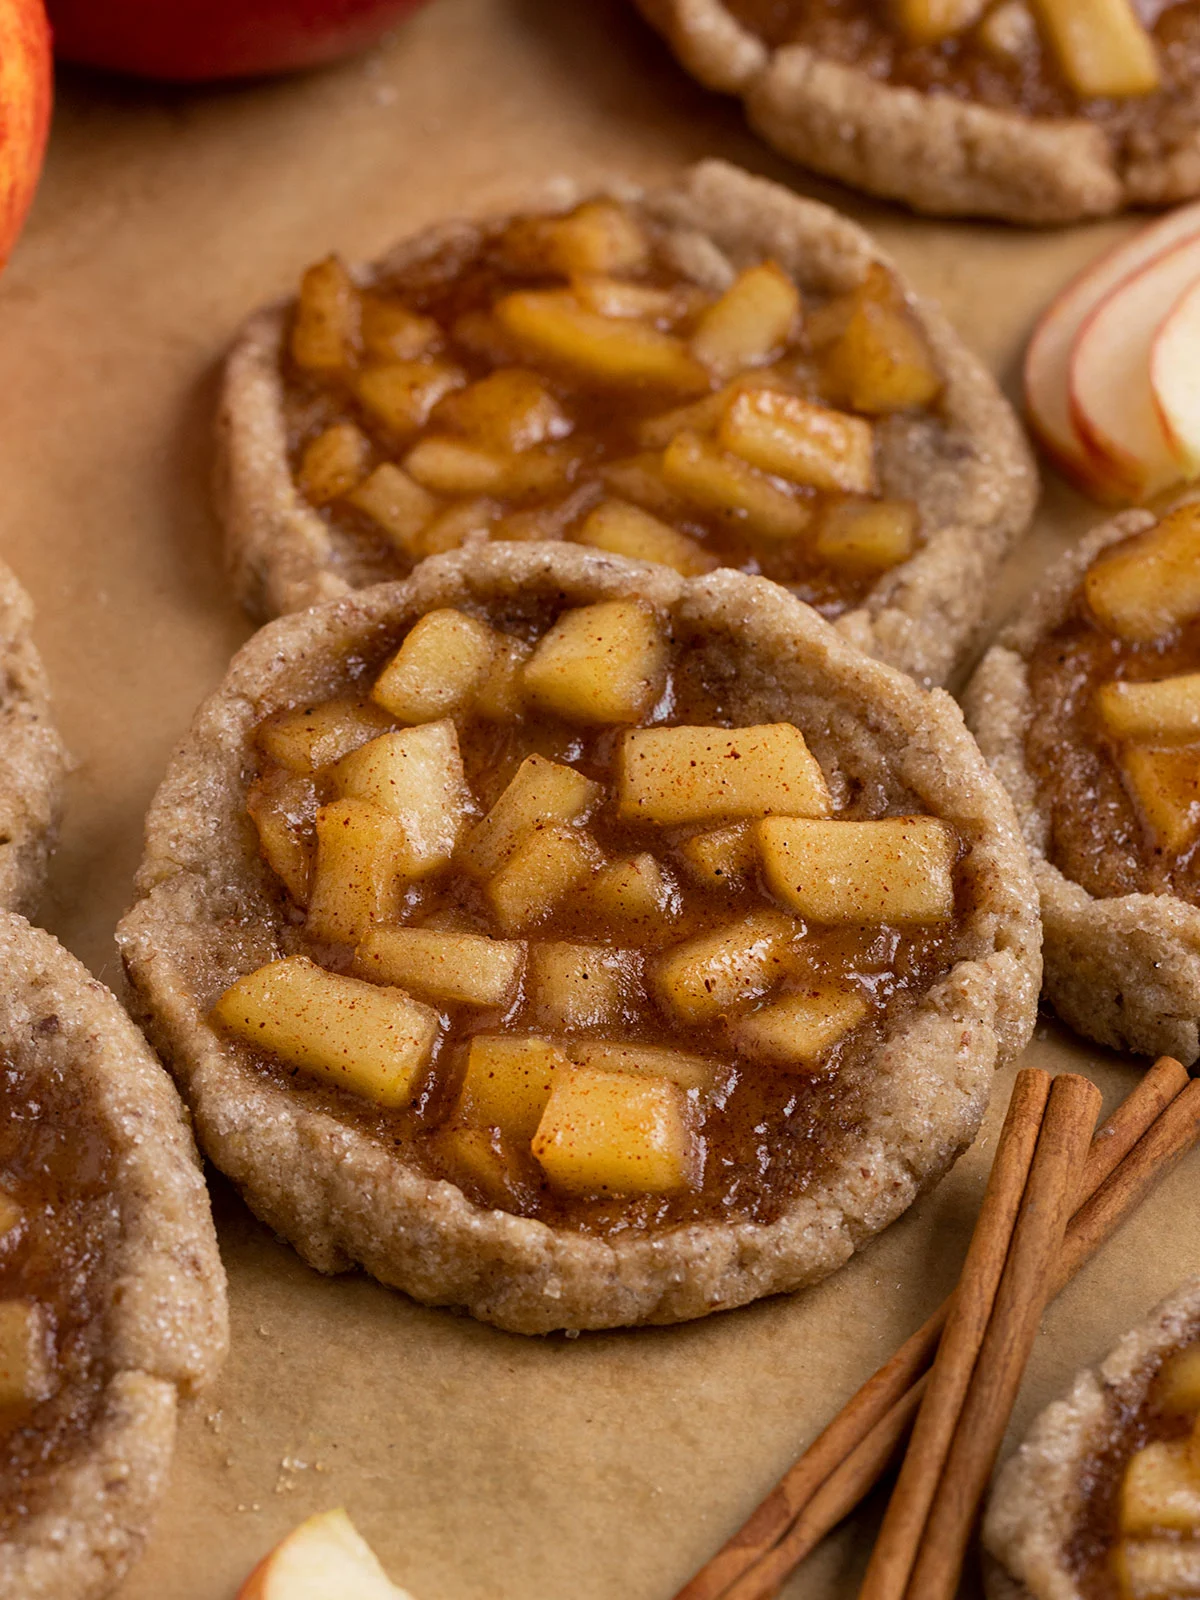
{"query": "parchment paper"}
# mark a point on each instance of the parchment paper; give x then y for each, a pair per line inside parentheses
(480, 1465)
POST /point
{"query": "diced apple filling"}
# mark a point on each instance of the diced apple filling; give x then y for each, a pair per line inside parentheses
(720, 971)
(333, 463)
(574, 986)
(731, 490)
(1163, 712)
(750, 323)
(798, 1030)
(507, 1083)
(548, 864)
(26, 1372)
(687, 774)
(622, 297)
(11, 1214)
(1157, 1569)
(311, 737)
(552, 326)
(1149, 585)
(896, 870)
(417, 777)
(879, 361)
(391, 332)
(1177, 1384)
(400, 396)
(280, 804)
(487, 1160)
(371, 1041)
(598, 236)
(688, 1072)
(640, 479)
(446, 968)
(1166, 788)
(436, 672)
(617, 1133)
(632, 890)
(805, 443)
(509, 411)
(931, 21)
(600, 663)
(397, 504)
(867, 535)
(359, 875)
(455, 524)
(1102, 46)
(326, 319)
(1160, 1493)
(501, 695)
(722, 859)
(541, 792)
(627, 530)
(449, 466)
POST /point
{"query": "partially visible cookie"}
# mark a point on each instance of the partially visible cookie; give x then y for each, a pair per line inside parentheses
(1088, 709)
(1100, 1497)
(32, 759)
(972, 109)
(112, 1296)
(717, 373)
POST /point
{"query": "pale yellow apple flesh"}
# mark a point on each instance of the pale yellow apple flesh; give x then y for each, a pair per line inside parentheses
(1175, 379)
(324, 1557)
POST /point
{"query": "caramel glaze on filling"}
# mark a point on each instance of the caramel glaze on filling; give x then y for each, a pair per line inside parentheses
(1097, 1530)
(769, 1135)
(55, 1165)
(1097, 837)
(859, 33)
(464, 279)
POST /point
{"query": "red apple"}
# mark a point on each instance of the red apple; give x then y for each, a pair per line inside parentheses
(25, 94)
(1049, 354)
(325, 1558)
(1112, 402)
(1175, 378)
(196, 40)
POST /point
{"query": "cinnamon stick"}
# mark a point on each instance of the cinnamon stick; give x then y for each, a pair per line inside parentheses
(970, 1311)
(784, 1509)
(1025, 1288)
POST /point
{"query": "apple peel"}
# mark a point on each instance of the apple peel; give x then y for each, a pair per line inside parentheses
(1048, 357)
(324, 1558)
(1175, 378)
(1112, 402)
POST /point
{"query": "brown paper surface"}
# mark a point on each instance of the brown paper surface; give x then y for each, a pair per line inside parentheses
(482, 1466)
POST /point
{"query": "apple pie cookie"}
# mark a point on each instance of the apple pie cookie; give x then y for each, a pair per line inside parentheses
(1088, 708)
(1102, 1500)
(714, 374)
(1039, 111)
(32, 761)
(112, 1297)
(577, 942)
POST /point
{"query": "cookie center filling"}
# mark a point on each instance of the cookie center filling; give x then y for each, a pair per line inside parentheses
(57, 1225)
(1114, 741)
(559, 933)
(1120, 63)
(1137, 1536)
(559, 377)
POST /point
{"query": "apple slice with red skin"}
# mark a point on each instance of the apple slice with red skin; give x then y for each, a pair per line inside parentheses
(1048, 356)
(1175, 378)
(325, 1558)
(1112, 403)
(25, 94)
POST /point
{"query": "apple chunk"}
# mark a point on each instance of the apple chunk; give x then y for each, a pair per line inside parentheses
(1152, 1569)
(627, 530)
(1166, 787)
(507, 1083)
(632, 890)
(397, 504)
(509, 410)
(333, 463)
(373, 1042)
(687, 774)
(435, 673)
(1163, 712)
(574, 986)
(680, 1067)
(445, 968)
(1148, 585)
(730, 489)
(879, 361)
(417, 777)
(281, 805)
(309, 737)
(326, 318)
(749, 323)
(1177, 1385)
(540, 873)
(600, 663)
(26, 1375)
(931, 21)
(617, 1133)
(722, 858)
(805, 443)
(551, 325)
(597, 236)
(541, 792)
(325, 1556)
(795, 1032)
(867, 535)
(1102, 47)
(896, 870)
(1159, 1492)
(724, 969)
(359, 874)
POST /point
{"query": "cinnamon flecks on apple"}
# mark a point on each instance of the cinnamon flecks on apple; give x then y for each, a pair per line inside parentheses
(1109, 384)
(563, 379)
(588, 944)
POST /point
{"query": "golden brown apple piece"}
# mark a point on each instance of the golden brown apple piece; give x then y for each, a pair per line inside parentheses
(931, 21)
(26, 1374)
(551, 326)
(688, 774)
(617, 1133)
(311, 737)
(539, 874)
(1163, 712)
(373, 1042)
(797, 1031)
(540, 792)
(1166, 788)
(1159, 1491)
(507, 1083)
(896, 870)
(397, 504)
(723, 970)
(417, 777)
(699, 1074)
(627, 530)
(444, 968)
(600, 663)
(599, 236)
(1177, 1385)
(728, 488)
(572, 986)
(750, 323)
(807, 444)
(879, 361)
(1149, 585)
(508, 411)
(867, 535)
(632, 890)
(393, 332)
(333, 463)
(362, 867)
(444, 659)
(723, 858)
(1102, 46)
(282, 806)
(400, 395)
(325, 325)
